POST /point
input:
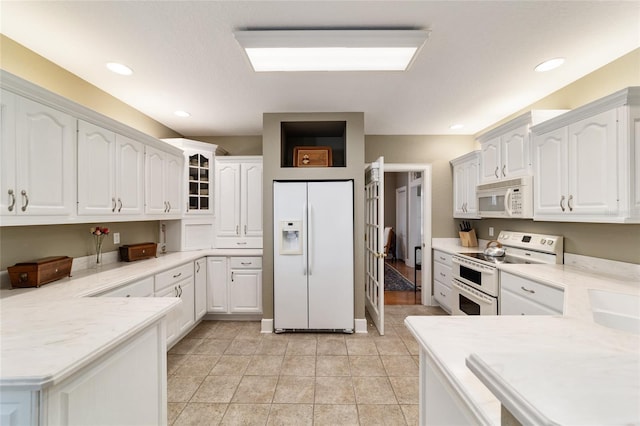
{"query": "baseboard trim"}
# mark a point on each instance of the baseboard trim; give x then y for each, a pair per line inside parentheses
(361, 325)
(266, 325)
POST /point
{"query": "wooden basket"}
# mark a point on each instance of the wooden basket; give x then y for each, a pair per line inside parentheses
(312, 156)
(39, 272)
(133, 252)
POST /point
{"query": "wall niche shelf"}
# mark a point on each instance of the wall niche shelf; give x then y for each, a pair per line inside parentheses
(297, 134)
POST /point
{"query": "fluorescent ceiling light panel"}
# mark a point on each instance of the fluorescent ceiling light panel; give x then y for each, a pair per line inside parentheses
(331, 50)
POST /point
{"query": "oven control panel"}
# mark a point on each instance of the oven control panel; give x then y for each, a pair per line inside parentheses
(552, 244)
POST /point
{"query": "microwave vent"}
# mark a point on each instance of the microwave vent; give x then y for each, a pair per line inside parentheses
(521, 181)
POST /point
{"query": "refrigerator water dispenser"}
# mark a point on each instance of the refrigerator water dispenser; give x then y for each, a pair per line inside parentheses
(291, 237)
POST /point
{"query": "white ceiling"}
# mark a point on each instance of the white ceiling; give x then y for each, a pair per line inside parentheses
(476, 67)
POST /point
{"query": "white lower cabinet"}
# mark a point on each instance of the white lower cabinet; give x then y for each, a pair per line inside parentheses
(125, 387)
(442, 279)
(141, 288)
(521, 296)
(178, 282)
(200, 282)
(234, 285)
(19, 408)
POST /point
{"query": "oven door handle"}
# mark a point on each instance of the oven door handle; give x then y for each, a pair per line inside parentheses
(483, 269)
(476, 295)
(507, 202)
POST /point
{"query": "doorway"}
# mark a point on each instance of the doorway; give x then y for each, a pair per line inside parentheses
(416, 180)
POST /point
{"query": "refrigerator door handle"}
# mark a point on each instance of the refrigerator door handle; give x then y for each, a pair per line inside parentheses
(304, 255)
(310, 240)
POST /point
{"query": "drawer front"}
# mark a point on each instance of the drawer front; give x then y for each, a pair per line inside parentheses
(442, 294)
(143, 288)
(245, 262)
(537, 292)
(442, 273)
(173, 276)
(442, 257)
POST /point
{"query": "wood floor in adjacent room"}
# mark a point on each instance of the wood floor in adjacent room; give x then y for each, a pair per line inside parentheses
(403, 297)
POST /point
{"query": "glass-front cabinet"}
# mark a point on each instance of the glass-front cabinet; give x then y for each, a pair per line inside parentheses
(199, 183)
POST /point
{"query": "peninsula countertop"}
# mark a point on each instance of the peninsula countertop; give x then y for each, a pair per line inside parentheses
(48, 333)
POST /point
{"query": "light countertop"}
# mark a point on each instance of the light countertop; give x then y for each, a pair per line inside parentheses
(50, 332)
(544, 369)
(545, 363)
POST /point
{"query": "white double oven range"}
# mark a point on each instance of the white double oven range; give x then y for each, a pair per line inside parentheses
(476, 278)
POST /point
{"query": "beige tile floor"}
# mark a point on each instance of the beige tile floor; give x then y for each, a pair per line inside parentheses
(228, 373)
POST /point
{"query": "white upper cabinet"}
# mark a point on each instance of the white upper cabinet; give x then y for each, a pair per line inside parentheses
(505, 152)
(38, 159)
(465, 179)
(110, 172)
(239, 202)
(584, 168)
(163, 183)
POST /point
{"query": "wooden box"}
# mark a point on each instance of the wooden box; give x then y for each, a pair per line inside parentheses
(468, 239)
(133, 252)
(312, 156)
(39, 272)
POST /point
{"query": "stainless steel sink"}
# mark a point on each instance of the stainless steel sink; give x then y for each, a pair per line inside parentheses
(616, 310)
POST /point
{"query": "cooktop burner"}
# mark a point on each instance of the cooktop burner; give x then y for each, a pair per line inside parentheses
(497, 259)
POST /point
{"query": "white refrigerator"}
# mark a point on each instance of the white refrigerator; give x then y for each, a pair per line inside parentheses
(313, 255)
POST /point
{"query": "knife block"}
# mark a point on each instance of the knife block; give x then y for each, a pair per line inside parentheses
(468, 239)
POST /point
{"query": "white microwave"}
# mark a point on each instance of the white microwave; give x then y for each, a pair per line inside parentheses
(509, 198)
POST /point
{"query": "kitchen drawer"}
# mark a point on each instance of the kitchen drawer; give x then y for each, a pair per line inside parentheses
(142, 288)
(442, 257)
(245, 262)
(532, 290)
(173, 276)
(443, 295)
(442, 273)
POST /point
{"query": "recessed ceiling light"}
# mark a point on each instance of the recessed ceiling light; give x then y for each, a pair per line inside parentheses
(331, 50)
(119, 68)
(549, 65)
(457, 126)
(182, 114)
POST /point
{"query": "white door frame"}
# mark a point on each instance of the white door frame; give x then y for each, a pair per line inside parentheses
(402, 199)
(426, 170)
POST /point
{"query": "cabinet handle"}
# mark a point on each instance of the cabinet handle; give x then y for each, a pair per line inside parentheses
(245, 230)
(527, 290)
(180, 294)
(443, 275)
(562, 203)
(503, 173)
(119, 205)
(13, 200)
(443, 258)
(26, 200)
(197, 267)
(442, 294)
(237, 229)
(165, 206)
(496, 172)
(246, 263)
(569, 203)
(231, 276)
(175, 289)
(176, 276)
(187, 207)
(241, 243)
(113, 201)
(169, 204)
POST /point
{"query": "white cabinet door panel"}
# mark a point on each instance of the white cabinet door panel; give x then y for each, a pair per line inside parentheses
(96, 170)
(491, 161)
(515, 153)
(129, 175)
(550, 155)
(154, 182)
(200, 280)
(46, 159)
(228, 199)
(592, 174)
(8, 171)
(245, 291)
(217, 284)
(251, 190)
